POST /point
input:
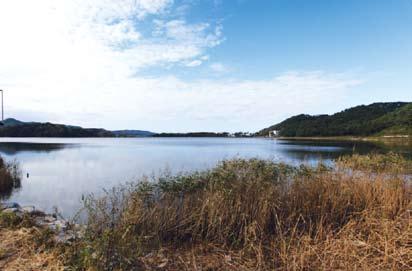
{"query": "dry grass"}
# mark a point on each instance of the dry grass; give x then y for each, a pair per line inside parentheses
(256, 215)
(21, 251)
(24, 247)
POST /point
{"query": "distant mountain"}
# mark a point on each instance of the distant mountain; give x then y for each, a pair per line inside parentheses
(365, 120)
(132, 133)
(193, 134)
(15, 128)
(12, 122)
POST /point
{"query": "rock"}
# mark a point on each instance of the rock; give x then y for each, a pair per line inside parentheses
(28, 209)
(58, 225)
(11, 210)
(65, 237)
(49, 219)
(39, 221)
(8, 205)
(63, 231)
(38, 213)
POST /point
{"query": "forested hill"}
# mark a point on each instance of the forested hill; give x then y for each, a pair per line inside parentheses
(365, 120)
(15, 128)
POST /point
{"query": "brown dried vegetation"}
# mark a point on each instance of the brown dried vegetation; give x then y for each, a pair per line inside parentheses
(256, 215)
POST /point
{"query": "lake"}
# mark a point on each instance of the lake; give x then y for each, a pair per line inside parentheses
(58, 171)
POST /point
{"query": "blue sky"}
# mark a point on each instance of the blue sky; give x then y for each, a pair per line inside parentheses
(368, 36)
(194, 65)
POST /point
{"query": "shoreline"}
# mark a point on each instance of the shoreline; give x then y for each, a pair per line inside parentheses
(395, 138)
(64, 231)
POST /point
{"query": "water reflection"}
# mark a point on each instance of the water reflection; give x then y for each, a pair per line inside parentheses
(310, 150)
(10, 178)
(7, 191)
(62, 170)
(12, 148)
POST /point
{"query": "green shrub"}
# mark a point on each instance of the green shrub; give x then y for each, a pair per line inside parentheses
(9, 220)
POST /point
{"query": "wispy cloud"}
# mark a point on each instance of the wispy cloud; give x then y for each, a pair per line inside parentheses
(105, 29)
(78, 62)
(219, 67)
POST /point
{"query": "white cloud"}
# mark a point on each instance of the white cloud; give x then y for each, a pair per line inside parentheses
(42, 32)
(194, 63)
(152, 6)
(219, 68)
(76, 62)
(121, 34)
(172, 104)
(179, 30)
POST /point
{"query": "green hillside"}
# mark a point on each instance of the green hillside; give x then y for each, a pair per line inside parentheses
(365, 120)
(398, 122)
(15, 128)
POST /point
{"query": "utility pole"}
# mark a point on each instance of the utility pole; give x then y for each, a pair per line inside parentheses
(2, 108)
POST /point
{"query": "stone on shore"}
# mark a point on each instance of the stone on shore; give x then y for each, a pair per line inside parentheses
(9, 205)
(64, 231)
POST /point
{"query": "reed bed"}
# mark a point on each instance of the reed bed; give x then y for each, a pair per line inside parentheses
(255, 215)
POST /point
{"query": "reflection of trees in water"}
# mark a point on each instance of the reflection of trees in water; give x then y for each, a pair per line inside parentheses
(315, 149)
(11, 148)
(356, 146)
(10, 173)
(331, 149)
(306, 155)
(10, 178)
(8, 191)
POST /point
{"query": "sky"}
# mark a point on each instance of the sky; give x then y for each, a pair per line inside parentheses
(200, 65)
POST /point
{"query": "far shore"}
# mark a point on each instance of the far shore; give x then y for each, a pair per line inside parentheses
(394, 138)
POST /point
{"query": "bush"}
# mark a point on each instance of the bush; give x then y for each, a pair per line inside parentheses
(377, 163)
(9, 220)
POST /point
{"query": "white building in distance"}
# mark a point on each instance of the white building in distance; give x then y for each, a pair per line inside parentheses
(273, 133)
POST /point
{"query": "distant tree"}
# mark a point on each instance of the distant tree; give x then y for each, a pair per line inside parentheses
(377, 118)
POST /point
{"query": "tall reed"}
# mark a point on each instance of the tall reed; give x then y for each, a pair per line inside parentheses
(256, 215)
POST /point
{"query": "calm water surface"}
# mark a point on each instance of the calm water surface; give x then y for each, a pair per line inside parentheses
(60, 170)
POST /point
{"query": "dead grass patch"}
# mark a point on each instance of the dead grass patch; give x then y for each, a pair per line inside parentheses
(19, 252)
